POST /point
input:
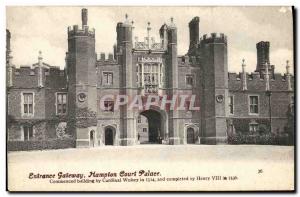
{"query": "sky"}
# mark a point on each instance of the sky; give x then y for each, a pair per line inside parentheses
(35, 29)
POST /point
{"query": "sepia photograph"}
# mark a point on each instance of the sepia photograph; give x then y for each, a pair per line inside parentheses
(150, 98)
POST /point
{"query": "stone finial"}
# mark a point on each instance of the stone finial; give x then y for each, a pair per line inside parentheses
(244, 76)
(40, 57)
(243, 64)
(172, 24)
(148, 34)
(287, 67)
(126, 19)
(267, 77)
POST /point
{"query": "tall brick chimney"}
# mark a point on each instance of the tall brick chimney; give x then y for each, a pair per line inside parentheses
(194, 34)
(262, 54)
(84, 17)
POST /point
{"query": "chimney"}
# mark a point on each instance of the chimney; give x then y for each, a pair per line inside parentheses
(102, 56)
(262, 55)
(194, 33)
(110, 57)
(84, 17)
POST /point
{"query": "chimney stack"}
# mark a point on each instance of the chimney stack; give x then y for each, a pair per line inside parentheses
(194, 34)
(84, 17)
(263, 53)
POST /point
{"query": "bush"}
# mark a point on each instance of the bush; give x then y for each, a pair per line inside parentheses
(40, 145)
(264, 139)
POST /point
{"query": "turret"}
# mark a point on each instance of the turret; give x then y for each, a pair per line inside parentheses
(124, 57)
(82, 79)
(214, 88)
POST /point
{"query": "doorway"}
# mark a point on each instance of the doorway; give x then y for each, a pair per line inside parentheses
(109, 136)
(190, 136)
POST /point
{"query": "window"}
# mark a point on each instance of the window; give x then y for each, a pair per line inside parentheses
(253, 127)
(253, 104)
(189, 80)
(231, 104)
(139, 119)
(187, 105)
(144, 130)
(28, 103)
(28, 133)
(61, 103)
(107, 78)
(109, 106)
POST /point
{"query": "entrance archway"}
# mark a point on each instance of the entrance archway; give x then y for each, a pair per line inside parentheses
(190, 136)
(155, 127)
(109, 136)
(92, 138)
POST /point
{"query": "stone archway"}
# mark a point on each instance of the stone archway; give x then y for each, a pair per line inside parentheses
(156, 127)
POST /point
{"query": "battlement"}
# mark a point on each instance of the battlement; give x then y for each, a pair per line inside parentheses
(26, 70)
(256, 76)
(186, 60)
(85, 31)
(256, 82)
(213, 38)
(106, 59)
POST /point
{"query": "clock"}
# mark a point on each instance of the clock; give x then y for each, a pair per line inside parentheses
(219, 98)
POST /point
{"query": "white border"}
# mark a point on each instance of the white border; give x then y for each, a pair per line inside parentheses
(117, 3)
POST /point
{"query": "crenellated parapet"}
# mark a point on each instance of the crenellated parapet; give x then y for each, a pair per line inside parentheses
(213, 38)
(255, 82)
(84, 31)
(104, 59)
(28, 77)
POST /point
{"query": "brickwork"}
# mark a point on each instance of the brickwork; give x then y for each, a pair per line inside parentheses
(203, 72)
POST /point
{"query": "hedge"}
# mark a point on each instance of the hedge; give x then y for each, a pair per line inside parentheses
(260, 139)
(40, 145)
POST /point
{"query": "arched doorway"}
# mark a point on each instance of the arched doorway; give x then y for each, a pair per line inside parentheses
(190, 136)
(109, 136)
(154, 127)
(92, 138)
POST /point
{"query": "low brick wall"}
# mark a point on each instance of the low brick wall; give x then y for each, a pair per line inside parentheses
(40, 145)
